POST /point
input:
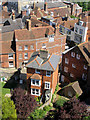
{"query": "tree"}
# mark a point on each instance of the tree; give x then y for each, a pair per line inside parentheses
(73, 109)
(8, 109)
(24, 102)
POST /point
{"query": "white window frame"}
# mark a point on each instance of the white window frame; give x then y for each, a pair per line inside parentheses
(85, 67)
(66, 69)
(36, 71)
(84, 77)
(20, 55)
(11, 65)
(47, 85)
(26, 48)
(20, 48)
(71, 75)
(32, 47)
(47, 74)
(66, 61)
(73, 66)
(35, 82)
(78, 56)
(43, 45)
(35, 92)
(9, 56)
(27, 56)
(73, 54)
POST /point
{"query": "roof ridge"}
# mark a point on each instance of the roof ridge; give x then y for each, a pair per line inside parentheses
(37, 61)
(51, 65)
(32, 60)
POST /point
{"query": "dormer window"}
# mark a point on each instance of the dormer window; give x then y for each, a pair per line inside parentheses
(78, 56)
(72, 54)
(37, 71)
(85, 67)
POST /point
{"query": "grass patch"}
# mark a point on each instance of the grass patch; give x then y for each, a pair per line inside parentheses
(4, 90)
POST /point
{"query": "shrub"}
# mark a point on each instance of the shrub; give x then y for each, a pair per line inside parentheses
(8, 109)
(73, 109)
(59, 103)
(24, 102)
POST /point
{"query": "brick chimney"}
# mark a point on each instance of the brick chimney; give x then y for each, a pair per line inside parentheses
(23, 13)
(29, 24)
(45, 7)
(13, 16)
(57, 30)
(5, 8)
(43, 53)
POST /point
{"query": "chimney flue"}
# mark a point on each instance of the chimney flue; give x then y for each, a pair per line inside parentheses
(29, 24)
(45, 7)
(13, 16)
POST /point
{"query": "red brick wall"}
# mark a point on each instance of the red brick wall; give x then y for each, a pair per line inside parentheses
(52, 47)
(5, 60)
(79, 70)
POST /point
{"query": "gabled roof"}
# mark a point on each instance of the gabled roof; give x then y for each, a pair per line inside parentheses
(36, 76)
(14, 25)
(49, 64)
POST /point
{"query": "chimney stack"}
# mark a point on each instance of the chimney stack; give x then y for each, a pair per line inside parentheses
(5, 8)
(45, 7)
(13, 16)
(43, 53)
(29, 24)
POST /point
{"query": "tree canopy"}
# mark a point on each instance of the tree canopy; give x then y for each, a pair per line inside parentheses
(8, 109)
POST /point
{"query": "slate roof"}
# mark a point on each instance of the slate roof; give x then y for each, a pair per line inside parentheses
(14, 25)
(50, 5)
(49, 64)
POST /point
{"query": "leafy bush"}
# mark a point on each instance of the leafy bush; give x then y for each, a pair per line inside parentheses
(24, 102)
(39, 113)
(56, 89)
(8, 109)
(60, 102)
(73, 109)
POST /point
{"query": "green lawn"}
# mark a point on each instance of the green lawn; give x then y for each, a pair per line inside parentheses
(4, 91)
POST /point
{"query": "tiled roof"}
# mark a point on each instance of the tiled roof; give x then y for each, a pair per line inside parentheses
(39, 13)
(6, 48)
(14, 25)
(34, 33)
(59, 12)
(8, 36)
(85, 49)
(36, 76)
(69, 24)
(4, 14)
(49, 64)
(50, 5)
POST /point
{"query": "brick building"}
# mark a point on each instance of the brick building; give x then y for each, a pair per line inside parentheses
(42, 74)
(76, 64)
(35, 38)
